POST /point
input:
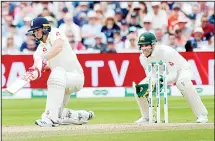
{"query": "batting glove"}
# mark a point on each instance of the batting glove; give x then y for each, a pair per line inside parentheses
(33, 73)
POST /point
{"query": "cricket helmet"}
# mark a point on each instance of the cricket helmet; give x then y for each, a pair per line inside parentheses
(40, 22)
(147, 38)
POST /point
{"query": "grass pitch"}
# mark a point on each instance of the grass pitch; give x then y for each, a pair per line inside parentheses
(112, 121)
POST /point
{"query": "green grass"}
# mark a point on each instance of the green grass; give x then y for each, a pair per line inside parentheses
(107, 110)
(110, 110)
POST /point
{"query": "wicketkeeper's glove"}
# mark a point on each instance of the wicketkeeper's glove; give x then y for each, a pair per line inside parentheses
(142, 90)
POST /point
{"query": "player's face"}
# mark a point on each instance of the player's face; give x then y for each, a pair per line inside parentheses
(146, 49)
(38, 33)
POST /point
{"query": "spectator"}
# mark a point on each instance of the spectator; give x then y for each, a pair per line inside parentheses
(98, 9)
(180, 40)
(211, 19)
(172, 41)
(7, 22)
(109, 26)
(135, 14)
(80, 17)
(124, 8)
(24, 29)
(46, 4)
(134, 20)
(112, 4)
(173, 17)
(142, 12)
(22, 10)
(143, 8)
(89, 31)
(196, 43)
(30, 48)
(29, 36)
(99, 12)
(159, 33)
(63, 14)
(117, 40)
(10, 47)
(99, 44)
(36, 5)
(118, 15)
(208, 28)
(75, 44)
(16, 37)
(159, 16)
(133, 30)
(117, 20)
(52, 21)
(6, 8)
(99, 19)
(201, 44)
(110, 46)
(83, 7)
(181, 24)
(164, 6)
(70, 26)
(46, 12)
(147, 22)
(124, 30)
(131, 43)
(194, 16)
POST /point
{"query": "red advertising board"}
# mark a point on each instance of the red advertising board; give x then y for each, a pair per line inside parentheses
(108, 70)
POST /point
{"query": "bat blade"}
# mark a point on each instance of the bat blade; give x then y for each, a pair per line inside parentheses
(19, 83)
(16, 86)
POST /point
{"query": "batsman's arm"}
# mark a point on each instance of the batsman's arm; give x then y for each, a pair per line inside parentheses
(31, 74)
(39, 61)
(57, 43)
(55, 50)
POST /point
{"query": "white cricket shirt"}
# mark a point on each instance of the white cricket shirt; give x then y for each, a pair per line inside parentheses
(174, 61)
(66, 59)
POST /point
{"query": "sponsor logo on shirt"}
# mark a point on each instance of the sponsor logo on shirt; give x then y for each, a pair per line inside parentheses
(171, 63)
(44, 49)
(57, 33)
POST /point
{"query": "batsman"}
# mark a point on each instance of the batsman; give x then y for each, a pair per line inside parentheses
(67, 76)
(178, 72)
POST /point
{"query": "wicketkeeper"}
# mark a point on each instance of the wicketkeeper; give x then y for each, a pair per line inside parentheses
(178, 71)
(66, 76)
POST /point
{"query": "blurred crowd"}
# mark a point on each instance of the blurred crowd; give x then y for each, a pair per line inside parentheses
(111, 27)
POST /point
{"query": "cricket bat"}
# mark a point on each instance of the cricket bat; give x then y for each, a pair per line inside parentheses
(19, 83)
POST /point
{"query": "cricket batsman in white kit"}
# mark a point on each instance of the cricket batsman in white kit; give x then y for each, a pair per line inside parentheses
(55, 52)
(178, 71)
